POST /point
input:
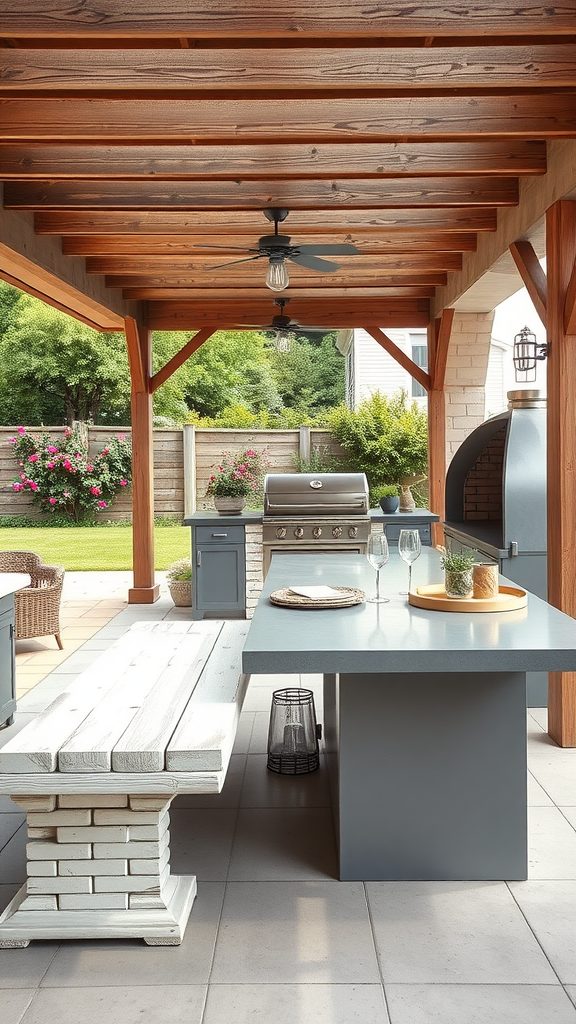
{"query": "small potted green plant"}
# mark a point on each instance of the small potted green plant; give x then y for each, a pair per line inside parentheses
(389, 498)
(179, 577)
(457, 567)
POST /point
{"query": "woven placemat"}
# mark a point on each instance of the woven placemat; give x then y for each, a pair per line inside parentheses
(287, 599)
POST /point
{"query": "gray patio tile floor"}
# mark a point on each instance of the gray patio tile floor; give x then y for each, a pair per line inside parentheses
(273, 936)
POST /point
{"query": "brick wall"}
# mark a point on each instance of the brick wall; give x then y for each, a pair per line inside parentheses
(483, 486)
(466, 376)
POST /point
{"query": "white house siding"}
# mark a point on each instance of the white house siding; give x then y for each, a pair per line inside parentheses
(375, 370)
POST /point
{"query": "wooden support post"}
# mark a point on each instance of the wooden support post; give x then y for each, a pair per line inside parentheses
(561, 455)
(139, 343)
(438, 342)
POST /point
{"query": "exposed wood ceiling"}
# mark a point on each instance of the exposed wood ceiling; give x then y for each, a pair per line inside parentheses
(139, 136)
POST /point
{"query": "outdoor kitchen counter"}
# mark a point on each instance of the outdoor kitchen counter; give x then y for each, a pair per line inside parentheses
(424, 717)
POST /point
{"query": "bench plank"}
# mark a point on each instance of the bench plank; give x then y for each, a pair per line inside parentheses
(89, 748)
(35, 749)
(142, 747)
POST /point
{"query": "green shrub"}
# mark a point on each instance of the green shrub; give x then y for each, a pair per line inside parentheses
(386, 438)
(65, 481)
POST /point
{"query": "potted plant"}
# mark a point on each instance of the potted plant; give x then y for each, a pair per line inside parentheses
(457, 567)
(238, 475)
(387, 496)
(179, 577)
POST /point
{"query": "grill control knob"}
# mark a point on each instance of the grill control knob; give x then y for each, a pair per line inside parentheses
(336, 532)
(352, 531)
(281, 532)
(317, 532)
(299, 533)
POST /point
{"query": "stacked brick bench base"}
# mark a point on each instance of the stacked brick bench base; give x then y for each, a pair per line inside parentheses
(96, 772)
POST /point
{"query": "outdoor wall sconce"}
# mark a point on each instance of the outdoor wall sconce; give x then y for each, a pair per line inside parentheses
(525, 354)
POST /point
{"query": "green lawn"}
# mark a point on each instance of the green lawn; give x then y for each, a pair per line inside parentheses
(101, 547)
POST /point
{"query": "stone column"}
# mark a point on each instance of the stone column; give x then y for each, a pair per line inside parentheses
(466, 370)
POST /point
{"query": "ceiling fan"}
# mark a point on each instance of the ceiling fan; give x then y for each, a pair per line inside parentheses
(277, 249)
(285, 329)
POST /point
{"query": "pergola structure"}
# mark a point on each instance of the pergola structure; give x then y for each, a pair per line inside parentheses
(434, 138)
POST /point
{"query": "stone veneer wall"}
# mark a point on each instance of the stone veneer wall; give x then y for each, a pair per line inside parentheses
(466, 376)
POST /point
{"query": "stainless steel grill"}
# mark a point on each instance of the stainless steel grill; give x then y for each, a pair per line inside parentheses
(307, 513)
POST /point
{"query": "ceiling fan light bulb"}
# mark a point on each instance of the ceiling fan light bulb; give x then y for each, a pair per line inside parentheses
(282, 341)
(277, 275)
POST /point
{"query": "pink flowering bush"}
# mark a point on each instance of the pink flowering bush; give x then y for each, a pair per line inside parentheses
(63, 479)
(239, 474)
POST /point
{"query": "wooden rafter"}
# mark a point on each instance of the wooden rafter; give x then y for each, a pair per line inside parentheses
(231, 70)
(344, 18)
(532, 275)
(409, 192)
(408, 119)
(186, 163)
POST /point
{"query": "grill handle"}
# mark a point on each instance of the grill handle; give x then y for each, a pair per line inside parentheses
(312, 508)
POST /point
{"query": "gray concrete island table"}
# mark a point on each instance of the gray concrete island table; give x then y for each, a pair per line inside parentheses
(424, 717)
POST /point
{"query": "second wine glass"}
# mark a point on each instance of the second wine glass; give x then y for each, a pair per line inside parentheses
(377, 554)
(409, 548)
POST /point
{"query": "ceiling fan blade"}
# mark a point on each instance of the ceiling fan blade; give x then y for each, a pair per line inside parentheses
(240, 248)
(313, 263)
(329, 250)
(234, 262)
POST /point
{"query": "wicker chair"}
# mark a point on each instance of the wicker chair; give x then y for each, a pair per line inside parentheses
(37, 606)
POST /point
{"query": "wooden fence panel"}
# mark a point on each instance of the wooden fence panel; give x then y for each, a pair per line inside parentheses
(279, 446)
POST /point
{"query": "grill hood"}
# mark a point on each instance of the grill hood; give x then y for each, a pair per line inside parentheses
(301, 494)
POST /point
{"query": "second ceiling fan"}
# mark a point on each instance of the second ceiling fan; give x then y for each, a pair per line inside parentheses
(278, 249)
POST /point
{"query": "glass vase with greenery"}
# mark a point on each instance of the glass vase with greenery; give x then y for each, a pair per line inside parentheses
(458, 565)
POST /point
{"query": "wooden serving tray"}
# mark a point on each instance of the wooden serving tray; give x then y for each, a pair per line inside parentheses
(434, 597)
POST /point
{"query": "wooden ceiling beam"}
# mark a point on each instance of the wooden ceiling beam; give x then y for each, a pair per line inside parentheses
(395, 119)
(262, 293)
(252, 222)
(328, 282)
(182, 245)
(324, 70)
(239, 195)
(252, 18)
(187, 163)
(180, 357)
(184, 315)
(198, 266)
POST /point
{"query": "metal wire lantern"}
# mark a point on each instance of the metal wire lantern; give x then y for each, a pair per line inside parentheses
(525, 354)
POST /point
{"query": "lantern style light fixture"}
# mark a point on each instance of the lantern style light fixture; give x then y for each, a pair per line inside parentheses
(525, 354)
(282, 340)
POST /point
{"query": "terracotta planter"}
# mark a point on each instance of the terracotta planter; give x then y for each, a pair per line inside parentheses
(229, 506)
(181, 592)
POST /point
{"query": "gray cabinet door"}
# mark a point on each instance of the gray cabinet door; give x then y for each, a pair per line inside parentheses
(7, 661)
(220, 578)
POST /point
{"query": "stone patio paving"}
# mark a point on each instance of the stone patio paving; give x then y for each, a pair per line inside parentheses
(273, 937)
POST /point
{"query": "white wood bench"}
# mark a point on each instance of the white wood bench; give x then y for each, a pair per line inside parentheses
(154, 716)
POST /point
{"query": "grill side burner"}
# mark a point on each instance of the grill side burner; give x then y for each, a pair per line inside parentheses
(307, 512)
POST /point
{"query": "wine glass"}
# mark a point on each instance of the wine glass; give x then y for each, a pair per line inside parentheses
(409, 548)
(377, 554)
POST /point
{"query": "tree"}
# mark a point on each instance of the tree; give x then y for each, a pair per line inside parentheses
(54, 368)
(311, 376)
